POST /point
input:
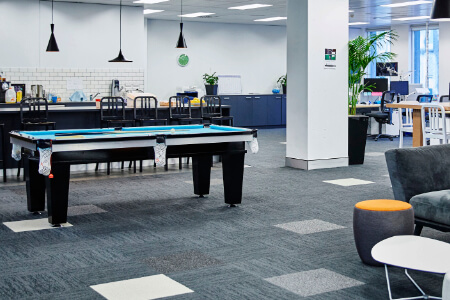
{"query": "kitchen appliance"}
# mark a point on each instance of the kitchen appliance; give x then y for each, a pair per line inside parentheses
(37, 91)
(4, 87)
(115, 88)
(19, 86)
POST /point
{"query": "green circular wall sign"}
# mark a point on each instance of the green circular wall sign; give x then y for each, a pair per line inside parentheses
(183, 60)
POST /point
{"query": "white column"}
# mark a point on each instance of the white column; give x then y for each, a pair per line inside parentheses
(317, 97)
(444, 62)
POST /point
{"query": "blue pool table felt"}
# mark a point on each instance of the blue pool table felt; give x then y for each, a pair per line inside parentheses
(126, 132)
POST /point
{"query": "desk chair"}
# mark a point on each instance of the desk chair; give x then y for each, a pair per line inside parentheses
(384, 116)
(180, 112)
(405, 123)
(146, 112)
(445, 98)
(211, 110)
(424, 98)
(34, 116)
(435, 127)
(112, 115)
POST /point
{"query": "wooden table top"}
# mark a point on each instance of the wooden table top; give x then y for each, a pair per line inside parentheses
(367, 105)
(415, 105)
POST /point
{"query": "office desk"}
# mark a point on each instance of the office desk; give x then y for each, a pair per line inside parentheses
(417, 117)
(66, 147)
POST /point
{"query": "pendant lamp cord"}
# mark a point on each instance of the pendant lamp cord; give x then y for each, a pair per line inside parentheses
(52, 11)
(120, 25)
(181, 11)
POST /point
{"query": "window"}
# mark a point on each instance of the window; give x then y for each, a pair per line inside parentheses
(385, 47)
(419, 58)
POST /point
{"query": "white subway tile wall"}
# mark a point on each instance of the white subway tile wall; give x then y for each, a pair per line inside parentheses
(94, 80)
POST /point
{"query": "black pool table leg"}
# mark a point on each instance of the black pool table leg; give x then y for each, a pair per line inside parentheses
(233, 176)
(58, 193)
(201, 173)
(35, 185)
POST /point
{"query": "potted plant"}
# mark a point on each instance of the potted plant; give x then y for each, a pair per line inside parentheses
(362, 52)
(283, 81)
(211, 83)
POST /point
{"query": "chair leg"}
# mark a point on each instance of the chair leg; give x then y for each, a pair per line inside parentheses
(134, 167)
(140, 166)
(400, 145)
(418, 229)
(108, 168)
(96, 167)
(180, 160)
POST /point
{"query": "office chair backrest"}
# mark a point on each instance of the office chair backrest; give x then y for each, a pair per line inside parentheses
(424, 98)
(212, 105)
(445, 98)
(388, 97)
(33, 110)
(112, 108)
(179, 106)
(145, 107)
(436, 125)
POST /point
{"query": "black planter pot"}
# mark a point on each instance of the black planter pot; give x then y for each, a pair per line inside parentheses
(211, 89)
(357, 135)
(284, 89)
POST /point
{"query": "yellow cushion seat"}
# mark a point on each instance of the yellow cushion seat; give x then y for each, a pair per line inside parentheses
(383, 205)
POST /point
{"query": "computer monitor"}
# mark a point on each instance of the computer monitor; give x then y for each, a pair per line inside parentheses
(400, 87)
(387, 68)
(380, 85)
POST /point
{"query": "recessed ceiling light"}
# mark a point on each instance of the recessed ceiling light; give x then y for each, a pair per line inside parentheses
(250, 6)
(271, 19)
(150, 1)
(152, 11)
(195, 15)
(412, 18)
(350, 11)
(408, 3)
(358, 23)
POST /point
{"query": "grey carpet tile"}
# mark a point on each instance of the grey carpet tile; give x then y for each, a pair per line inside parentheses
(309, 226)
(314, 282)
(155, 214)
(84, 210)
(181, 262)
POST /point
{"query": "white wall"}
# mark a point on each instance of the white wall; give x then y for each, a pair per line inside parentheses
(256, 52)
(87, 35)
(402, 47)
(444, 62)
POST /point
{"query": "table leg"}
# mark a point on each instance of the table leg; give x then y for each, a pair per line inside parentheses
(233, 176)
(201, 172)
(417, 128)
(35, 184)
(58, 193)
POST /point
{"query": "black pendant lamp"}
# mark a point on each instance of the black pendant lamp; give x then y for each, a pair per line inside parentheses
(120, 57)
(441, 10)
(181, 41)
(52, 45)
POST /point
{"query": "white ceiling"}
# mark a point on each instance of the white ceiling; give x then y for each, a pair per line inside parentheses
(365, 11)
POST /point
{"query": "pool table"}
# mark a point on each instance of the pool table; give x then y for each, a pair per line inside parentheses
(48, 155)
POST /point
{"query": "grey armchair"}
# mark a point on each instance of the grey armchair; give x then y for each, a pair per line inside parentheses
(421, 176)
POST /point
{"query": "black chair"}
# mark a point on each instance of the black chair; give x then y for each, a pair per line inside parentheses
(211, 110)
(384, 115)
(4, 150)
(112, 115)
(146, 112)
(180, 112)
(424, 98)
(34, 116)
(445, 98)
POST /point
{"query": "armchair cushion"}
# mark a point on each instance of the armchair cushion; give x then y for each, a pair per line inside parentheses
(433, 206)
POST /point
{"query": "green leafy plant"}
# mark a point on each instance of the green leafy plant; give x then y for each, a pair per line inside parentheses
(210, 79)
(363, 51)
(282, 80)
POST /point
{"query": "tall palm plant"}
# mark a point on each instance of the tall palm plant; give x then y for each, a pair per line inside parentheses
(362, 52)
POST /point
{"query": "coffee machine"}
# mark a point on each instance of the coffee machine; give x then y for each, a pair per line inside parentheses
(115, 88)
(4, 86)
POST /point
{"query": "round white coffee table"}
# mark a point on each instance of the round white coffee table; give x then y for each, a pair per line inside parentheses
(414, 253)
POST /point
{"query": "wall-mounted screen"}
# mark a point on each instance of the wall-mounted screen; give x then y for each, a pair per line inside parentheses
(387, 69)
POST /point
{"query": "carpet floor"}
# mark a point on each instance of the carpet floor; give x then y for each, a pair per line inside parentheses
(291, 238)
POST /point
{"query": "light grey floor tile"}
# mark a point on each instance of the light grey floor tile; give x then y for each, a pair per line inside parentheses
(349, 182)
(374, 154)
(144, 288)
(214, 181)
(314, 282)
(309, 226)
(32, 225)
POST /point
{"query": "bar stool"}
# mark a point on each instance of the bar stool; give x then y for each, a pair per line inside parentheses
(112, 115)
(34, 116)
(2, 130)
(211, 110)
(146, 112)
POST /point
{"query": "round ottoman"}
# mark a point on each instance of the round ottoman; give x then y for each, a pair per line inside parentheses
(377, 220)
